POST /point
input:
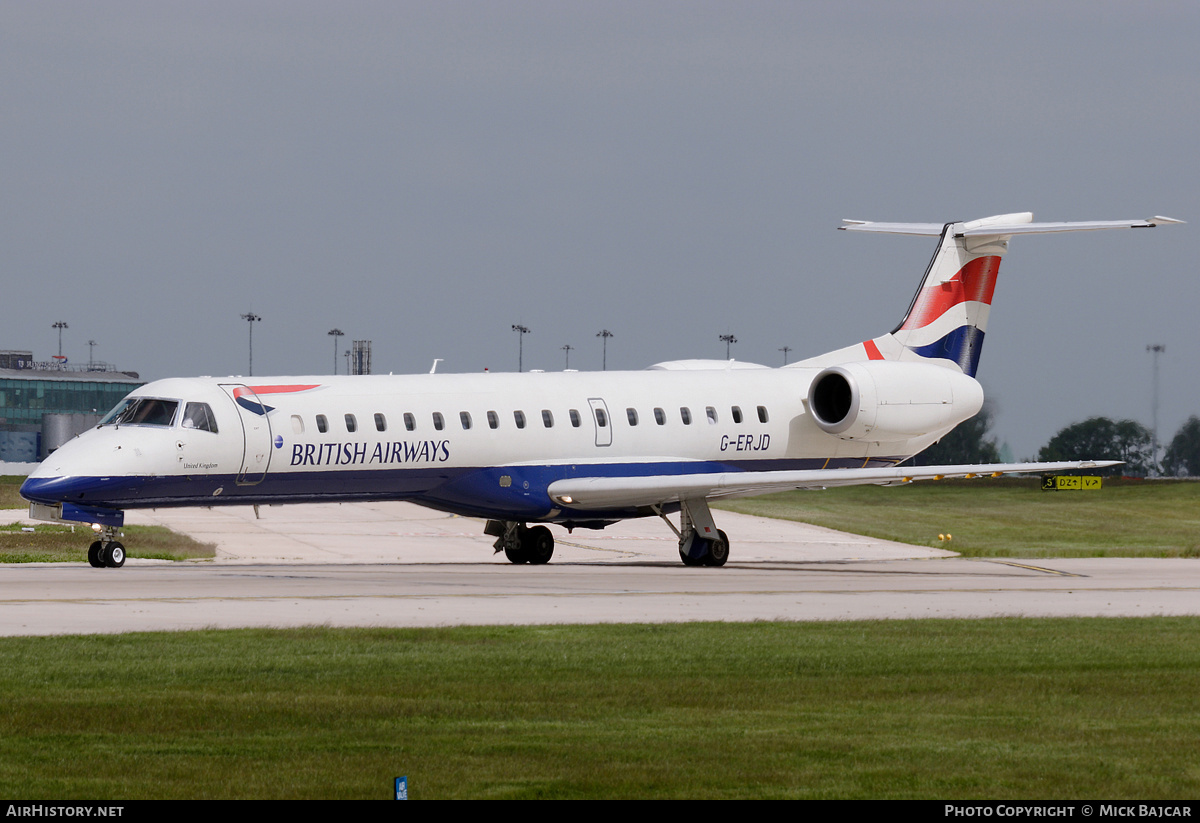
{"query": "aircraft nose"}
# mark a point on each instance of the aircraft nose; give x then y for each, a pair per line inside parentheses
(49, 489)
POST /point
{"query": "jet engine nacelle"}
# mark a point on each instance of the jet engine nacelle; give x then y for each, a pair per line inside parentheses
(888, 401)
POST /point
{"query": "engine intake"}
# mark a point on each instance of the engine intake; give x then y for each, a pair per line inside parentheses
(888, 401)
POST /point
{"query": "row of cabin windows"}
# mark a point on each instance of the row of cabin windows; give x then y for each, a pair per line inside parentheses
(519, 419)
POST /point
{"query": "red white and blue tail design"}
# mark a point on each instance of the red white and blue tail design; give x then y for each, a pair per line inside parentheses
(948, 315)
(947, 318)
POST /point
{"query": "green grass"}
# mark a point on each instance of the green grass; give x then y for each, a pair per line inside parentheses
(1007, 517)
(943, 709)
(10, 492)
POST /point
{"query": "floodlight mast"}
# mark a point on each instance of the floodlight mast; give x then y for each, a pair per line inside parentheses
(60, 325)
(521, 332)
(604, 334)
(729, 341)
(251, 318)
(1155, 350)
(335, 334)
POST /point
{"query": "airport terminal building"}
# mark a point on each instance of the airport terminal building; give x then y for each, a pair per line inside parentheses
(43, 405)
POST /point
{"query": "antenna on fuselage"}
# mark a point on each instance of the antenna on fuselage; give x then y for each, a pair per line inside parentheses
(433, 368)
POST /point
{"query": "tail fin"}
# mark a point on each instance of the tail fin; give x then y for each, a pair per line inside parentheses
(948, 315)
(947, 318)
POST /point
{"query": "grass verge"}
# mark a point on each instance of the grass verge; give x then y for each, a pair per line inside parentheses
(10, 492)
(1008, 708)
(1006, 517)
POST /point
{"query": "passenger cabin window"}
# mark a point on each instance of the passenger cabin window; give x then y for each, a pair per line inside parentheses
(465, 419)
(737, 414)
(439, 422)
(410, 422)
(199, 416)
(712, 415)
(660, 417)
(762, 414)
(631, 413)
(297, 424)
(575, 419)
(493, 420)
(547, 419)
(142, 411)
(519, 419)
(685, 414)
(601, 418)
(322, 424)
(351, 423)
(380, 422)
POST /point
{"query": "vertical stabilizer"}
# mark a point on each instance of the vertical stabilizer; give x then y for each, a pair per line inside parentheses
(947, 319)
(948, 316)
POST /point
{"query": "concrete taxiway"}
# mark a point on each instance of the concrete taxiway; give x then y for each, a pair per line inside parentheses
(394, 564)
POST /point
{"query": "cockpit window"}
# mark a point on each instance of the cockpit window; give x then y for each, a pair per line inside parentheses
(199, 416)
(142, 411)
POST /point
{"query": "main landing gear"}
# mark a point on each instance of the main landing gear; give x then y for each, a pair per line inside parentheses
(106, 552)
(701, 543)
(521, 544)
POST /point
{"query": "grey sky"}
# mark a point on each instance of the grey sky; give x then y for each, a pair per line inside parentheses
(424, 175)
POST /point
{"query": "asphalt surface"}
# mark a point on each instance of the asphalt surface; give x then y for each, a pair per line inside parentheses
(394, 564)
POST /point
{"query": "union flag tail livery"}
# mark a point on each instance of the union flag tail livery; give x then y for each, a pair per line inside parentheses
(573, 450)
(948, 315)
(947, 318)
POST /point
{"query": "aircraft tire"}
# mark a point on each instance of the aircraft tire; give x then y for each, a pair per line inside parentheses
(114, 555)
(718, 550)
(516, 555)
(94, 555)
(685, 552)
(538, 545)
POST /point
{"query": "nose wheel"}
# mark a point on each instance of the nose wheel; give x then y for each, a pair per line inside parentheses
(106, 552)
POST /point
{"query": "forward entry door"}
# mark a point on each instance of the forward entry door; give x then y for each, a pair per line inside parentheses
(256, 433)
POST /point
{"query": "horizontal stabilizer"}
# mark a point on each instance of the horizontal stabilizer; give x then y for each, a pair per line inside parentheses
(1000, 226)
(623, 492)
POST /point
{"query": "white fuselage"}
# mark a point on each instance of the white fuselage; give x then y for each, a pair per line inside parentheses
(480, 444)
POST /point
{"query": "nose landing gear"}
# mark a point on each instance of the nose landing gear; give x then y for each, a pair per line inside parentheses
(106, 552)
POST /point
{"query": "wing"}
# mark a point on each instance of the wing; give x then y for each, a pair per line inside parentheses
(622, 492)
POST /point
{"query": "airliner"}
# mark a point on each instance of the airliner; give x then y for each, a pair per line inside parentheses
(573, 449)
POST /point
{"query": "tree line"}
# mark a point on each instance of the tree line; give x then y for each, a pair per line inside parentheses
(1097, 438)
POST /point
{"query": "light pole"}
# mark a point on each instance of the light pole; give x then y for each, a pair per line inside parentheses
(521, 332)
(1155, 350)
(729, 341)
(785, 351)
(91, 358)
(567, 348)
(604, 334)
(60, 325)
(335, 333)
(251, 318)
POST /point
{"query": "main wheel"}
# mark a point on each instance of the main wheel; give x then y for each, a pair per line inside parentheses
(538, 544)
(114, 555)
(694, 552)
(718, 550)
(516, 554)
(94, 555)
